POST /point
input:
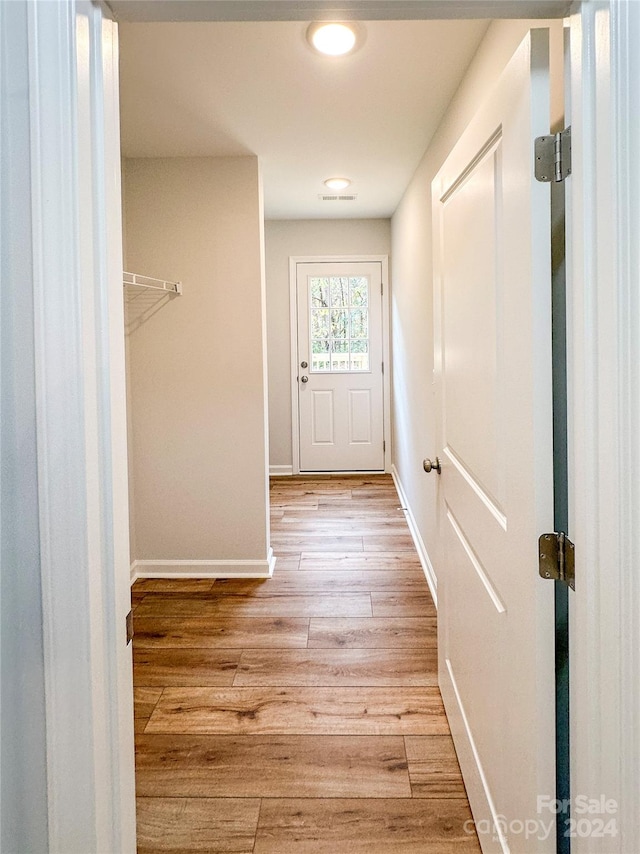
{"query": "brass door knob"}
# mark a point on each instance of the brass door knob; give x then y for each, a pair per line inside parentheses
(428, 465)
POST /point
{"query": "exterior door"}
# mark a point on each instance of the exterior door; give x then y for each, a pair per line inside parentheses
(340, 379)
(493, 363)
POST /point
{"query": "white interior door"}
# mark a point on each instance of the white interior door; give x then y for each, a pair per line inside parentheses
(340, 373)
(493, 380)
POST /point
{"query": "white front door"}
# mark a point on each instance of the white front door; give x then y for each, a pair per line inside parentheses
(493, 363)
(339, 370)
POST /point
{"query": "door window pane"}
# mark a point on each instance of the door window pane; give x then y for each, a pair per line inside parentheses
(339, 361)
(319, 322)
(339, 323)
(360, 355)
(359, 323)
(320, 355)
(339, 291)
(319, 292)
(359, 287)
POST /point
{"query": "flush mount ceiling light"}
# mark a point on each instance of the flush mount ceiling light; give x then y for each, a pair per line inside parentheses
(337, 183)
(334, 39)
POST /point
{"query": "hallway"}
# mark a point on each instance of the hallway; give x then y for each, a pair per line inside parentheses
(299, 714)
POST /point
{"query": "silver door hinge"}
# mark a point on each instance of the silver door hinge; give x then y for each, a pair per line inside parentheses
(556, 554)
(129, 627)
(384, 446)
(553, 156)
(383, 367)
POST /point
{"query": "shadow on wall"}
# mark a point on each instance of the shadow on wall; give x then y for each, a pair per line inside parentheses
(140, 306)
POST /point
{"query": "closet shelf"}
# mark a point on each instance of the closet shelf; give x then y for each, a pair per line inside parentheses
(138, 281)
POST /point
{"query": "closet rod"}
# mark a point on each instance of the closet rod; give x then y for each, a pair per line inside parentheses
(152, 284)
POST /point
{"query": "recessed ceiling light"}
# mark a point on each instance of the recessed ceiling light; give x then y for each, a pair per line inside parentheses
(333, 39)
(337, 183)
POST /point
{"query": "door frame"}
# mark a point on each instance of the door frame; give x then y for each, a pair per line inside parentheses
(66, 112)
(294, 260)
(604, 410)
(603, 272)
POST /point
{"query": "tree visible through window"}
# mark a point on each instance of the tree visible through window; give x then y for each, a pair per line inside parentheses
(339, 323)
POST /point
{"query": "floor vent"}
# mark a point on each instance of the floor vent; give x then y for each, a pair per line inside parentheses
(335, 198)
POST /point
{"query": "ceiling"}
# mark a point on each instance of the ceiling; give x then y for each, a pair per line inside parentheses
(333, 10)
(238, 88)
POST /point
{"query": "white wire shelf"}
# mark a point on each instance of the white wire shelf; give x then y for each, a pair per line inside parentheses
(149, 283)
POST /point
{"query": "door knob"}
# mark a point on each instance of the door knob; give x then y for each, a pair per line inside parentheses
(428, 465)
(304, 379)
(304, 364)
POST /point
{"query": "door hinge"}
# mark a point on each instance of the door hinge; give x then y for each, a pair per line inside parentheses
(384, 446)
(129, 627)
(382, 367)
(556, 555)
(381, 288)
(553, 156)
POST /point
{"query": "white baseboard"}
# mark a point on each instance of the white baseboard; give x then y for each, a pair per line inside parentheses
(204, 568)
(341, 473)
(489, 825)
(427, 566)
(280, 471)
(287, 471)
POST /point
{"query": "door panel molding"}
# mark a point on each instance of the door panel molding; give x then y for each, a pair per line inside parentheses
(294, 260)
(476, 563)
(487, 499)
(322, 419)
(475, 781)
(364, 435)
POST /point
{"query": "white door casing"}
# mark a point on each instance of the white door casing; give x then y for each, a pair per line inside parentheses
(65, 108)
(603, 684)
(339, 407)
(603, 228)
(493, 381)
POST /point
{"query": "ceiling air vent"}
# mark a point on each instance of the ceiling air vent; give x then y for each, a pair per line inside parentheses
(338, 198)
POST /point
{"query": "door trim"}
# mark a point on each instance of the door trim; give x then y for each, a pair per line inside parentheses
(294, 260)
(69, 92)
(604, 413)
(352, 10)
(592, 765)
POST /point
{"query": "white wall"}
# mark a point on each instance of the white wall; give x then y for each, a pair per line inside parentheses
(132, 503)
(414, 416)
(284, 238)
(23, 794)
(197, 362)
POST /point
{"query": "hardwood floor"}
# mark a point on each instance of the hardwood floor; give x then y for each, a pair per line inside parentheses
(299, 714)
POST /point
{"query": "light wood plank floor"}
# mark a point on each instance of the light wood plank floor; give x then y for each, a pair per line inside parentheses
(301, 714)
